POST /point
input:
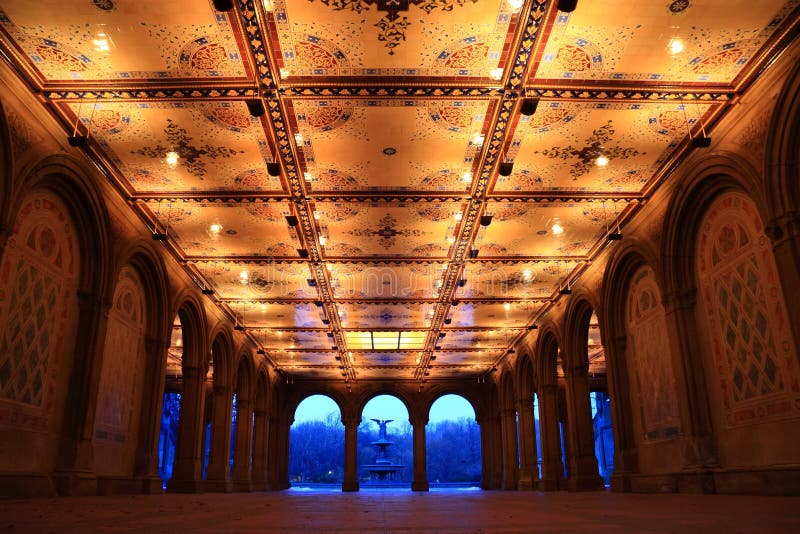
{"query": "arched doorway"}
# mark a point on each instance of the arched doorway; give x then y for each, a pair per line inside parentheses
(316, 445)
(171, 407)
(385, 444)
(600, 401)
(453, 444)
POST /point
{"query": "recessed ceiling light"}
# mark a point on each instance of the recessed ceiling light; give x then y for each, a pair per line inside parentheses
(458, 215)
(322, 240)
(496, 73)
(467, 176)
(285, 73)
(675, 46)
(556, 228)
(507, 306)
(172, 158)
(526, 274)
(215, 228)
(515, 4)
(601, 161)
(101, 42)
(269, 5)
(451, 240)
(477, 139)
(298, 138)
(244, 277)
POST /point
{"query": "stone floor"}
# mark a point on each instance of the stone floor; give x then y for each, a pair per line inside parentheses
(393, 511)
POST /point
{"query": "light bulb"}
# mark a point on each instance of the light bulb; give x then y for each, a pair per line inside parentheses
(215, 228)
(557, 228)
(601, 160)
(675, 46)
(172, 158)
(515, 4)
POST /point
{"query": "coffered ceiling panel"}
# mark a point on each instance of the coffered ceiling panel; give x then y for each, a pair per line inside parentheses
(117, 40)
(385, 281)
(241, 229)
(477, 339)
(278, 315)
(384, 315)
(267, 281)
(545, 229)
(596, 146)
(389, 145)
(510, 314)
(678, 41)
(524, 280)
(276, 339)
(392, 219)
(180, 147)
(453, 38)
(393, 229)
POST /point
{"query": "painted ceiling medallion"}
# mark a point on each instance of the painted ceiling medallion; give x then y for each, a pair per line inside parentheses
(191, 156)
(595, 147)
(678, 6)
(393, 25)
(387, 232)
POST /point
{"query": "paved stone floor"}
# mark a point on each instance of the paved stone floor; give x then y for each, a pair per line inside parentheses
(403, 511)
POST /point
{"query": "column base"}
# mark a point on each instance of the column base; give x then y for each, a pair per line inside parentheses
(184, 486)
(75, 483)
(215, 485)
(151, 485)
(242, 486)
(419, 486)
(547, 484)
(585, 483)
(349, 486)
(621, 482)
(26, 485)
(526, 484)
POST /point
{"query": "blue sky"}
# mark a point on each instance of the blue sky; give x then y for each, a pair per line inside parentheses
(317, 407)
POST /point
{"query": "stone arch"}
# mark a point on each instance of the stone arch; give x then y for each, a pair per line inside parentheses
(331, 393)
(388, 389)
(711, 177)
(78, 191)
(438, 392)
(221, 355)
(782, 174)
(6, 171)
(40, 272)
(749, 358)
(189, 308)
(524, 375)
(626, 261)
(576, 329)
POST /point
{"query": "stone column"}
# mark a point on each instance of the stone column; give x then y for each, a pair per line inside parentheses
(146, 464)
(552, 469)
(217, 474)
(283, 464)
(784, 232)
(528, 470)
(243, 448)
(583, 471)
(74, 473)
(420, 482)
(260, 441)
(496, 451)
(626, 460)
(700, 451)
(508, 427)
(273, 453)
(350, 453)
(186, 470)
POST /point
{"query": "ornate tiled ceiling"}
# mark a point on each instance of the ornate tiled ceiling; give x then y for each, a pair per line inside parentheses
(421, 212)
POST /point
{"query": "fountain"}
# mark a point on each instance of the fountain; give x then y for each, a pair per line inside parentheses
(383, 470)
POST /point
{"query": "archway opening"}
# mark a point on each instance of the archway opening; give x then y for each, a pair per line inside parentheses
(316, 445)
(385, 444)
(171, 407)
(453, 444)
(600, 402)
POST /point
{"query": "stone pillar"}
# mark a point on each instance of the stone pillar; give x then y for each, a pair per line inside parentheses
(486, 464)
(243, 448)
(700, 451)
(273, 453)
(217, 474)
(583, 471)
(146, 464)
(260, 441)
(420, 482)
(784, 232)
(186, 470)
(508, 427)
(75, 461)
(552, 469)
(350, 453)
(283, 464)
(496, 451)
(626, 460)
(528, 470)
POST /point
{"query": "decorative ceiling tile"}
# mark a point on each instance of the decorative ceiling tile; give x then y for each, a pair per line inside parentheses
(161, 147)
(267, 281)
(524, 280)
(385, 281)
(511, 314)
(278, 315)
(679, 41)
(117, 40)
(276, 339)
(242, 229)
(324, 38)
(477, 339)
(383, 315)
